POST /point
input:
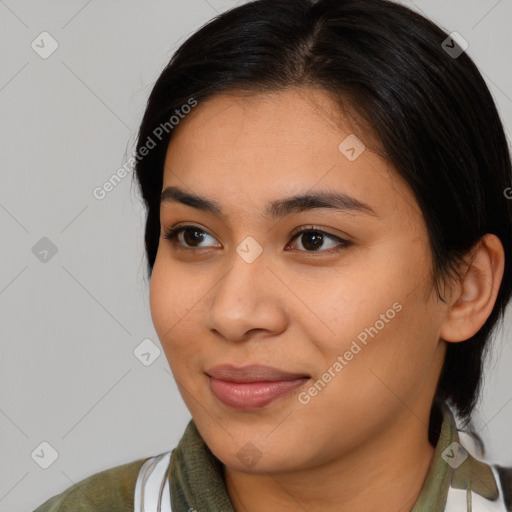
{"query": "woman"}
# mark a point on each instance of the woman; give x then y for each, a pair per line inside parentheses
(327, 225)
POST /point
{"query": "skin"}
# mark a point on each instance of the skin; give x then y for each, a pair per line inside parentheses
(362, 440)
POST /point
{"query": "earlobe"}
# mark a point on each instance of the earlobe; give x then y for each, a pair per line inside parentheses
(478, 290)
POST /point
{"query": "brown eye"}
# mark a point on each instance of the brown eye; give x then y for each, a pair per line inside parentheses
(193, 236)
(313, 240)
(188, 236)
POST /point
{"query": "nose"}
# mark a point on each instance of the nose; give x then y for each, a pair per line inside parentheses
(247, 299)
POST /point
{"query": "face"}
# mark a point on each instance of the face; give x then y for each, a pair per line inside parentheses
(345, 308)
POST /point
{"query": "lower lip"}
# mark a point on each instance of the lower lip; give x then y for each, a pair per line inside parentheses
(252, 395)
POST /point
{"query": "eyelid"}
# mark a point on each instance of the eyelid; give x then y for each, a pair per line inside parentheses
(312, 227)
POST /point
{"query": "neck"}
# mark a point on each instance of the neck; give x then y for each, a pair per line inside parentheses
(389, 469)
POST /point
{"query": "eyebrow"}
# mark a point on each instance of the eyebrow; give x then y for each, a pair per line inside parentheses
(275, 209)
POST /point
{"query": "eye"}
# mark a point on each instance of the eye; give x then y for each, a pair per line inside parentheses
(189, 237)
(313, 238)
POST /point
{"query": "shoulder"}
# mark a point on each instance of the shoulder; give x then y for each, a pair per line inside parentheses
(111, 490)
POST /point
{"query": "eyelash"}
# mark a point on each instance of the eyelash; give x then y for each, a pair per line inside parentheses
(173, 233)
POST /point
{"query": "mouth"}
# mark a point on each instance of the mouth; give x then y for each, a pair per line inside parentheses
(252, 387)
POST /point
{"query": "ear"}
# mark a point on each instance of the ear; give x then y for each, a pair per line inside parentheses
(475, 294)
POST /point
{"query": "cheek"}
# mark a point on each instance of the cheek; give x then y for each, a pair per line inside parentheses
(377, 319)
(160, 299)
(348, 303)
(364, 386)
(176, 309)
(168, 302)
(383, 358)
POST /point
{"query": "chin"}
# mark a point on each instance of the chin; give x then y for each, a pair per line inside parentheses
(257, 457)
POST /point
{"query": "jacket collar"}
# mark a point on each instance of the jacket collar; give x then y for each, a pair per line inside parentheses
(453, 470)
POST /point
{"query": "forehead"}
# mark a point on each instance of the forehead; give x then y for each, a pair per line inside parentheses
(305, 120)
(273, 144)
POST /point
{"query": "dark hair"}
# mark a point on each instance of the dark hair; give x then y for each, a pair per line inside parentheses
(431, 111)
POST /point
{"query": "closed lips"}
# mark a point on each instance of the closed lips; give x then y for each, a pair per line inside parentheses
(252, 373)
(252, 387)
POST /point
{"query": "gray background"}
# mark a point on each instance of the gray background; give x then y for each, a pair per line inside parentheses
(70, 324)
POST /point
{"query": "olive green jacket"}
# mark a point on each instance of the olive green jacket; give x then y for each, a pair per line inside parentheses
(456, 481)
